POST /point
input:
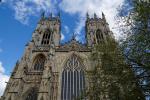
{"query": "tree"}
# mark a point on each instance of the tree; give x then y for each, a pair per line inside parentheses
(112, 78)
(137, 45)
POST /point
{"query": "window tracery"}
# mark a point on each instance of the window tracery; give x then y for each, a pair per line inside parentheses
(73, 80)
(39, 63)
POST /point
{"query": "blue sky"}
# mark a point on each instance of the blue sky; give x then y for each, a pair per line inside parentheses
(18, 19)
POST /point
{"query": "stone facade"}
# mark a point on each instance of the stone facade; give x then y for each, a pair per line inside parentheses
(46, 80)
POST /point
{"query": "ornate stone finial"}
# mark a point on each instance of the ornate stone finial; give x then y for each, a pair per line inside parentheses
(17, 63)
(74, 36)
(103, 16)
(43, 15)
(95, 16)
(51, 15)
(58, 14)
(87, 15)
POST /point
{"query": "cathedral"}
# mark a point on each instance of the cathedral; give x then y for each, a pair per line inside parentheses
(49, 70)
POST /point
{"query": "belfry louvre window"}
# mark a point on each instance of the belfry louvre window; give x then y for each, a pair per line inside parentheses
(73, 80)
(39, 62)
(99, 36)
(46, 38)
(32, 95)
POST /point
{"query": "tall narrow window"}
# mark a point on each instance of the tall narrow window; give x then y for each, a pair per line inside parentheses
(32, 95)
(9, 98)
(42, 98)
(99, 36)
(73, 80)
(39, 62)
(46, 38)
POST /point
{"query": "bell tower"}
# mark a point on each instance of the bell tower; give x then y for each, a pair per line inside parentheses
(32, 77)
(97, 30)
(47, 31)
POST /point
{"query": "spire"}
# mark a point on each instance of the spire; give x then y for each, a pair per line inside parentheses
(51, 15)
(103, 17)
(43, 15)
(95, 16)
(74, 36)
(87, 15)
(58, 14)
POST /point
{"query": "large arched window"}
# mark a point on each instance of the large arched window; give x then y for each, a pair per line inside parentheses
(46, 37)
(73, 80)
(99, 36)
(32, 95)
(39, 62)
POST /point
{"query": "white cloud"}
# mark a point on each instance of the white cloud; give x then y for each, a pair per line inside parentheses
(1, 68)
(62, 36)
(26, 8)
(79, 25)
(66, 29)
(3, 78)
(81, 7)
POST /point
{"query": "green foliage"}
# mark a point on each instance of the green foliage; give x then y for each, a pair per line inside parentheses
(112, 77)
(137, 45)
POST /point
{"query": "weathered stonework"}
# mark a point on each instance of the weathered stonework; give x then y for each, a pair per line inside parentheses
(47, 82)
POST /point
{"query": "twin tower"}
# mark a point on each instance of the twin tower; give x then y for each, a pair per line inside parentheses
(51, 71)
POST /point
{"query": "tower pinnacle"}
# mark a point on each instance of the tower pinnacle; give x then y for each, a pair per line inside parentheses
(103, 17)
(74, 36)
(43, 15)
(87, 15)
(95, 16)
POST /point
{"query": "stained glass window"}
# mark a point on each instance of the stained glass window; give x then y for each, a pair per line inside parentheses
(73, 80)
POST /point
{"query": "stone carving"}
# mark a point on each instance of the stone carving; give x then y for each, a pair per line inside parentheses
(73, 45)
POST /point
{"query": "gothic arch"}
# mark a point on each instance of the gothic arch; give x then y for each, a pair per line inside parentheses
(99, 36)
(38, 62)
(80, 59)
(76, 58)
(73, 78)
(31, 94)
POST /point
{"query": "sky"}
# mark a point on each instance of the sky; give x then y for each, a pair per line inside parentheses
(18, 19)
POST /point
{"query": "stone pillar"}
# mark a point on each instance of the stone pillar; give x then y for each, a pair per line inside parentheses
(44, 91)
